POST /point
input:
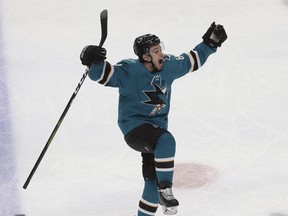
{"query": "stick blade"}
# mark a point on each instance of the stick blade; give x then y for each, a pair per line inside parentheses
(103, 20)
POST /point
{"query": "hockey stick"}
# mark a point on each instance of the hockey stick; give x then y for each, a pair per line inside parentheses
(103, 20)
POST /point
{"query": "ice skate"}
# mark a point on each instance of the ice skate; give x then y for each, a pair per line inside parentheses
(167, 199)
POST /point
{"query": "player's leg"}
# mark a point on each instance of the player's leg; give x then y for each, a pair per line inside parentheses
(149, 202)
(164, 157)
(164, 164)
(143, 139)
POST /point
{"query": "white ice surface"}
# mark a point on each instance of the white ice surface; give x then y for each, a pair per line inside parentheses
(231, 116)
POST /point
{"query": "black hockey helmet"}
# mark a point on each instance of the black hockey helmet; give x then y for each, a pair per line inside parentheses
(143, 43)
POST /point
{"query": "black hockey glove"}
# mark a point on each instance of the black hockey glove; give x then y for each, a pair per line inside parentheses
(92, 54)
(215, 36)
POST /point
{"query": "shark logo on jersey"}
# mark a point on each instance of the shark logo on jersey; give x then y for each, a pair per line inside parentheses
(157, 97)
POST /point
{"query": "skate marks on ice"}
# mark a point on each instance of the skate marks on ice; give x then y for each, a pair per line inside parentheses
(192, 175)
(9, 193)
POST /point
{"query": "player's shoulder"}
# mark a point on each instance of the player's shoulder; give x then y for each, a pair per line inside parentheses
(171, 58)
(127, 62)
(128, 65)
(168, 57)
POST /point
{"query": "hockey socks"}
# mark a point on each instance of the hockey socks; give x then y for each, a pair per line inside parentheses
(149, 203)
(164, 157)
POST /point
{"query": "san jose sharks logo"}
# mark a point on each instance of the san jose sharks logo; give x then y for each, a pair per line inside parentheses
(157, 97)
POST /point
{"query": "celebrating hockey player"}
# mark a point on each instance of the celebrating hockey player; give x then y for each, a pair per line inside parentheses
(144, 101)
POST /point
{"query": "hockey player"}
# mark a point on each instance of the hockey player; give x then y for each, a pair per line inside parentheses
(144, 100)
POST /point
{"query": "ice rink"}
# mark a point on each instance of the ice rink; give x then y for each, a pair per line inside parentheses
(230, 118)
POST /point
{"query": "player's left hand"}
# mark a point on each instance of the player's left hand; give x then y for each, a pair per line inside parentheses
(215, 35)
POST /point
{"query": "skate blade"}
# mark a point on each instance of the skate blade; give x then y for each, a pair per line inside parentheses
(169, 210)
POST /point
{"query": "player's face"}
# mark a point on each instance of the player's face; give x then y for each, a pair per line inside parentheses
(157, 57)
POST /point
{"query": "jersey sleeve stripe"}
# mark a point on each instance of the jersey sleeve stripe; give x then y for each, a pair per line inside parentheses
(195, 60)
(107, 72)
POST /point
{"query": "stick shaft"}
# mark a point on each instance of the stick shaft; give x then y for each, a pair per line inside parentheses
(55, 129)
(103, 19)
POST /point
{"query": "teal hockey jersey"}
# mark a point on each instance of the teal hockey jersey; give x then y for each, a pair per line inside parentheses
(144, 97)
